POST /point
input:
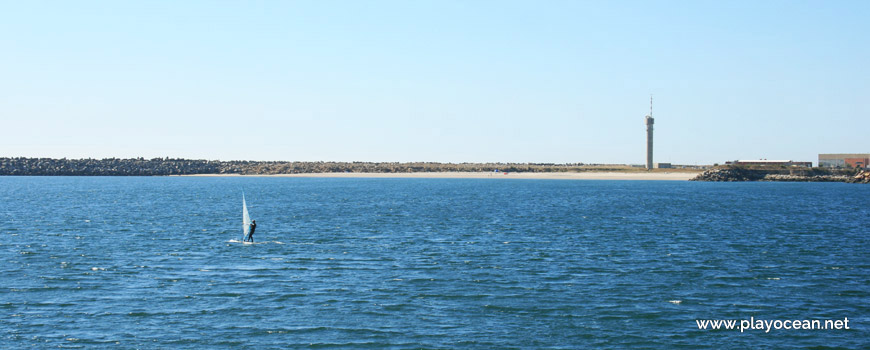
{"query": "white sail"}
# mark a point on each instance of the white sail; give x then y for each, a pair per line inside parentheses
(246, 219)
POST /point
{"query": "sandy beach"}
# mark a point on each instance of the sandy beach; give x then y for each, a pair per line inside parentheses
(672, 176)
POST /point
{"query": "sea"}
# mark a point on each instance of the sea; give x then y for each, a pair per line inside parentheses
(399, 263)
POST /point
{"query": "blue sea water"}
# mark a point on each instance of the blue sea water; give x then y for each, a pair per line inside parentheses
(154, 262)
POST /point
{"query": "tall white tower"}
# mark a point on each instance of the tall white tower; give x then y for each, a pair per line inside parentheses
(649, 136)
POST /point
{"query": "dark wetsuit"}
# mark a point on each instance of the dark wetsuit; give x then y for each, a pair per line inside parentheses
(251, 233)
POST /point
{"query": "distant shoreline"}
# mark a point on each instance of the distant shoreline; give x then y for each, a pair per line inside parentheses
(658, 176)
(20, 166)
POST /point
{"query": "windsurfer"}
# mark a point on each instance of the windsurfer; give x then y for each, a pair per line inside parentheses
(251, 233)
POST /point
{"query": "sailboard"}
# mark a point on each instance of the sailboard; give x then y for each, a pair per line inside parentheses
(246, 219)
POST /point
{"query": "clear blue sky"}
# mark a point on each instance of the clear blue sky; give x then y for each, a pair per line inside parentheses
(447, 81)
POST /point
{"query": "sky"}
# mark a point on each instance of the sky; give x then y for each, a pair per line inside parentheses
(436, 81)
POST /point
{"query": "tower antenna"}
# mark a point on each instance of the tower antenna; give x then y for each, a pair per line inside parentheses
(650, 105)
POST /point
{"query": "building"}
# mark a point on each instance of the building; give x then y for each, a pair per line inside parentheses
(844, 160)
(663, 166)
(649, 137)
(765, 162)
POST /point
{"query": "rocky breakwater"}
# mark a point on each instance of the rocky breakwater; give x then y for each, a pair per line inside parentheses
(861, 178)
(732, 174)
(729, 174)
(801, 178)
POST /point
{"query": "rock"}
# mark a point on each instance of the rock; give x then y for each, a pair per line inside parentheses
(731, 173)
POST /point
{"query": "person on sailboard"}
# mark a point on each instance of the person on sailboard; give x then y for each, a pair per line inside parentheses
(251, 233)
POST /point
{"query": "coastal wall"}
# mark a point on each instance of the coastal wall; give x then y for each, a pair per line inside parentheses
(106, 167)
(783, 174)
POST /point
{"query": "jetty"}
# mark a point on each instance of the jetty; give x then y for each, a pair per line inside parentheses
(732, 173)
